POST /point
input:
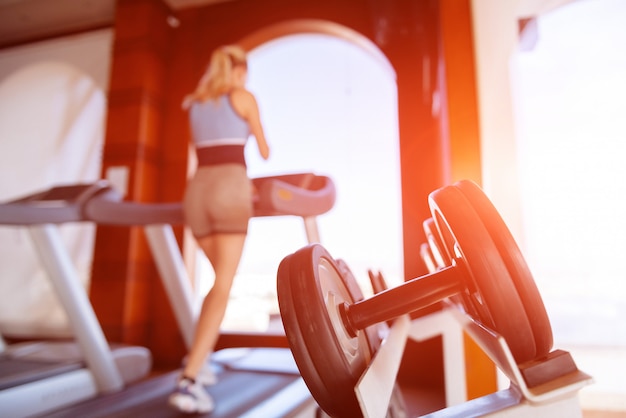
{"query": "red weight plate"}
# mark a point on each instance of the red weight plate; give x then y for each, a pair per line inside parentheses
(515, 263)
(373, 332)
(428, 258)
(443, 258)
(310, 288)
(438, 249)
(490, 294)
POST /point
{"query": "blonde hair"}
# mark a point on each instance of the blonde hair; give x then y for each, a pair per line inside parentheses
(217, 79)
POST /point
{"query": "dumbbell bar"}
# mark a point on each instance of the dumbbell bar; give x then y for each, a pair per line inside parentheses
(324, 333)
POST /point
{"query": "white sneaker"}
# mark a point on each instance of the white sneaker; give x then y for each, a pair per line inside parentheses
(206, 376)
(191, 397)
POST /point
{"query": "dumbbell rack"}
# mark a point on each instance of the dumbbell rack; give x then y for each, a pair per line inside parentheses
(545, 388)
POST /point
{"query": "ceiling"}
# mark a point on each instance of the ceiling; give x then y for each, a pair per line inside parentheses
(23, 21)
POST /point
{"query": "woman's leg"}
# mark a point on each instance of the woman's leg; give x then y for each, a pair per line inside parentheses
(224, 252)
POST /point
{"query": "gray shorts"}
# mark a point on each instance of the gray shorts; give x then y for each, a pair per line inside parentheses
(218, 199)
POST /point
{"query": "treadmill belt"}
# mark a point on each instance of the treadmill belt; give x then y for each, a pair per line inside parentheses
(235, 393)
(16, 371)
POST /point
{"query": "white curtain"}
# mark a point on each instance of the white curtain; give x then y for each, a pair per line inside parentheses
(52, 114)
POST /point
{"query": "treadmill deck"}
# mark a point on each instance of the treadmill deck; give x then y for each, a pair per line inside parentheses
(247, 378)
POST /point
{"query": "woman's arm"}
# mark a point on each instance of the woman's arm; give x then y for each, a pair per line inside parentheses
(245, 104)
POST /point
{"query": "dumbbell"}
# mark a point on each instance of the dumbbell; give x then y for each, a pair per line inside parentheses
(441, 254)
(328, 327)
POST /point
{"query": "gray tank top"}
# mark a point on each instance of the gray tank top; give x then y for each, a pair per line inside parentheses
(215, 123)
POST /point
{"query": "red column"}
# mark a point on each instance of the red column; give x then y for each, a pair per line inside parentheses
(409, 34)
(125, 290)
(462, 129)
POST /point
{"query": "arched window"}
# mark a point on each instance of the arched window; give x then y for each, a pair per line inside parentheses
(328, 107)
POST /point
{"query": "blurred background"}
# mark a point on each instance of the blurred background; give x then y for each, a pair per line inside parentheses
(330, 107)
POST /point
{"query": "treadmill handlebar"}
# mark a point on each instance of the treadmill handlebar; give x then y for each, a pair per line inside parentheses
(107, 208)
(300, 194)
(53, 206)
(95, 202)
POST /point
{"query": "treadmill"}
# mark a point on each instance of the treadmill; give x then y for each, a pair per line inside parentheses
(277, 383)
(36, 377)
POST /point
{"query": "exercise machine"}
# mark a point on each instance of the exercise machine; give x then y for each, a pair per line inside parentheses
(303, 194)
(36, 377)
(349, 356)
